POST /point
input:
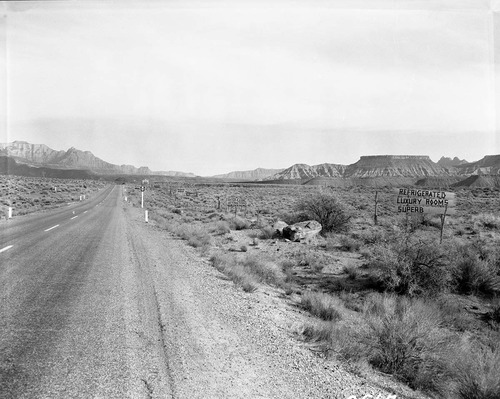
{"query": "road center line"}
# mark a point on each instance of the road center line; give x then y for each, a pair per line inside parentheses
(53, 227)
(74, 217)
(6, 248)
(85, 212)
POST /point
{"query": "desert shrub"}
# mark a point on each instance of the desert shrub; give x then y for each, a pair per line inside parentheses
(475, 276)
(263, 269)
(494, 313)
(349, 244)
(331, 242)
(405, 339)
(238, 223)
(342, 338)
(195, 235)
(412, 267)
(476, 371)
(316, 261)
(488, 221)
(294, 217)
(236, 272)
(267, 232)
(351, 270)
(373, 236)
(287, 267)
(322, 305)
(220, 227)
(455, 317)
(327, 210)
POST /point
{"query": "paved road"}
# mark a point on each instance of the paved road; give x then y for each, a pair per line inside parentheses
(97, 304)
(77, 317)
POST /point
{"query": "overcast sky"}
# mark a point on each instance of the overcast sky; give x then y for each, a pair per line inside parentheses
(213, 86)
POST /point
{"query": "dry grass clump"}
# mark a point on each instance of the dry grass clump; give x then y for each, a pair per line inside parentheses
(321, 305)
(220, 227)
(315, 261)
(267, 232)
(238, 223)
(228, 265)
(197, 236)
(488, 221)
(349, 244)
(249, 269)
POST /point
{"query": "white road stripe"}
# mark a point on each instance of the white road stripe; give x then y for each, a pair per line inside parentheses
(74, 217)
(6, 248)
(53, 227)
(85, 212)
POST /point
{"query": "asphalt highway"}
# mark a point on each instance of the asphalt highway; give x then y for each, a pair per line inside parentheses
(75, 312)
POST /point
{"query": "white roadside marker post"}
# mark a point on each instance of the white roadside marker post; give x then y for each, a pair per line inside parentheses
(146, 216)
(142, 196)
(10, 212)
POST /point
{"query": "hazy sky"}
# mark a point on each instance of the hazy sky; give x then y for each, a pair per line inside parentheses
(214, 86)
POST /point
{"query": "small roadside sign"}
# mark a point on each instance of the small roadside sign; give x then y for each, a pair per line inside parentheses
(142, 188)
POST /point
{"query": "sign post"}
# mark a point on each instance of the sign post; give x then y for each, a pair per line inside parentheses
(142, 196)
(421, 201)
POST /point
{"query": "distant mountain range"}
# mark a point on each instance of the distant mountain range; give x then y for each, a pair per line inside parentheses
(256, 174)
(395, 166)
(27, 159)
(40, 155)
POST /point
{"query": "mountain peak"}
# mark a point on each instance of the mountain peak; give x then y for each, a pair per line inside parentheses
(41, 155)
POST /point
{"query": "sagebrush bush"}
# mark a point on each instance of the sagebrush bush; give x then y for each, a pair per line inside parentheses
(412, 267)
(267, 232)
(349, 244)
(476, 371)
(293, 217)
(322, 305)
(327, 210)
(238, 223)
(315, 261)
(473, 274)
(405, 339)
(488, 221)
(195, 235)
(220, 227)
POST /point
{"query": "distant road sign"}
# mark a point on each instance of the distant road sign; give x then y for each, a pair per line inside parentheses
(142, 188)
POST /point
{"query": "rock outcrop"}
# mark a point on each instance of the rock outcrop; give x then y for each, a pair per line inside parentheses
(395, 166)
(303, 231)
(489, 165)
(302, 171)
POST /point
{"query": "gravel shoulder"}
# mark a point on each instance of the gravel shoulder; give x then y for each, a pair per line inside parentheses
(220, 342)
